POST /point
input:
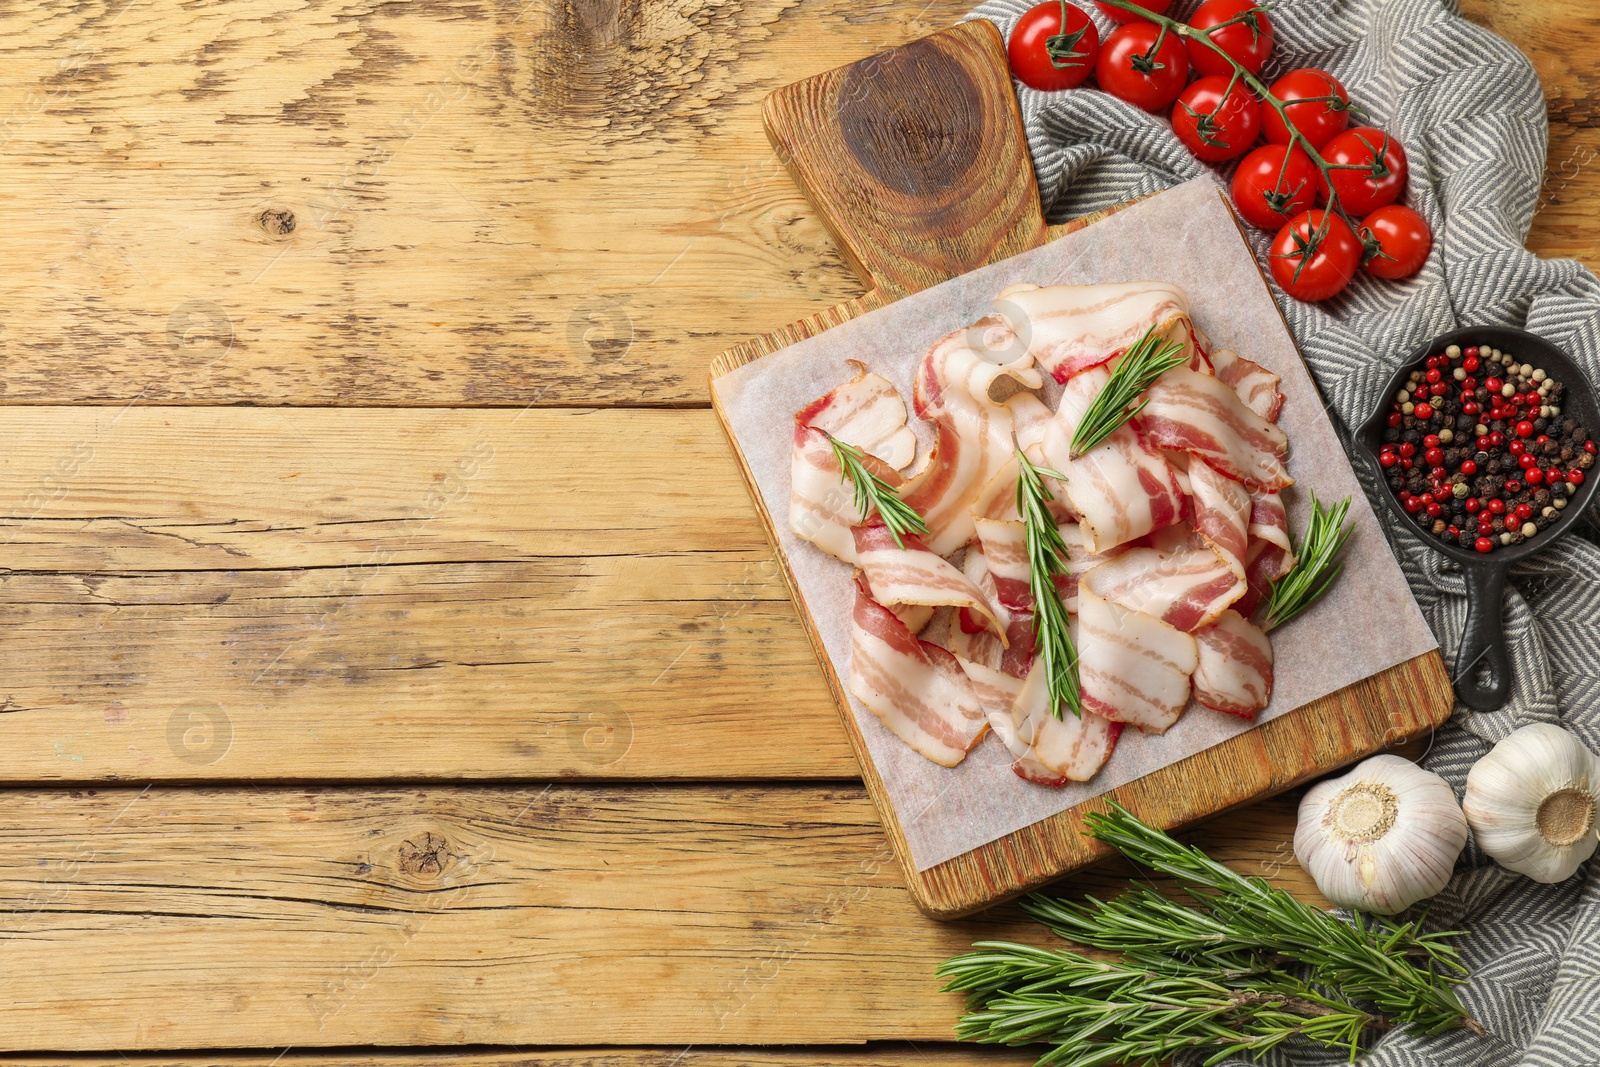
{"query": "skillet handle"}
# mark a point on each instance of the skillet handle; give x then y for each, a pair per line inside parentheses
(1484, 641)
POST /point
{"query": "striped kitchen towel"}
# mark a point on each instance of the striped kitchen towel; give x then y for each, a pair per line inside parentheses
(1468, 108)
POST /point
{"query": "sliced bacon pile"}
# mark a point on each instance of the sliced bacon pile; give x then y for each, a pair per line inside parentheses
(1173, 527)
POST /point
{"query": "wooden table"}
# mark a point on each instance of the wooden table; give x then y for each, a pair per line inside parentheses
(392, 656)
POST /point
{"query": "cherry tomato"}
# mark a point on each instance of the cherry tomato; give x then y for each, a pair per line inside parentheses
(1046, 57)
(1315, 256)
(1269, 191)
(1369, 169)
(1403, 241)
(1248, 41)
(1116, 14)
(1320, 114)
(1215, 129)
(1126, 71)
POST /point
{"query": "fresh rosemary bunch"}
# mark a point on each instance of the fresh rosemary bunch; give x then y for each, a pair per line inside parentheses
(1047, 555)
(1095, 1012)
(1239, 969)
(875, 494)
(1316, 567)
(1146, 359)
(1407, 974)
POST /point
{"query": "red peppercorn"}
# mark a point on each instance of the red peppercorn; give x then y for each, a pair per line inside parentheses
(1471, 352)
(1497, 506)
(1441, 492)
(1554, 475)
(1524, 511)
(1497, 439)
(1493, 384)
(1433, 509)
(1524, 428)
(1516, 448)
(1483, 544)
(1575, 476)
(1433, 374)
(1467, 408)
(1525, 461)
(1433, 362)
(1470, 364)
(1468, 467)
(1394, 420)
(1484, 443)
(1423, 411)
(1469, 384)
(1513, 486)
(1405, 464)
(1533, 475)
(1438, 474)
(1388, 459)
(1589, 447)
(1453, 531)
(1473, 504)
(1408, 449)
(1431, 441)
(1433, 457)
(1442, 389)
(1412, 503)
(1541, 439)
(1532, 400)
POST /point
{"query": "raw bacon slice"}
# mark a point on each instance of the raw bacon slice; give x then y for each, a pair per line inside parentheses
(1264, 563)
(917, 689)
(1079, 562)
(913, 575)
(1052, 751)
(1132, 667)
(1201, 415)
(1269, 520)
(1071, 328)
(1235, 671)
(1255, 384)
(964, 394)
(1121, 488)
(1222, 510)
(1186, 589)
(868, 412)
(822, 505)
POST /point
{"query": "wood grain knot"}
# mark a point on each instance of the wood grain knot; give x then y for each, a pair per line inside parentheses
(276, 222)
(426, 856)
(912, 118)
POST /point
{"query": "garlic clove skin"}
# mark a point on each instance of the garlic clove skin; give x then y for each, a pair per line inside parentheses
(1531, 802)
(1381, 837)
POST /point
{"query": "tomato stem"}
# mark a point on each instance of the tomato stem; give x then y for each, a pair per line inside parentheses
(1168, 25)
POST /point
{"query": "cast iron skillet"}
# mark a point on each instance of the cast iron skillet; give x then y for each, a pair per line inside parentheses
(1484, 641)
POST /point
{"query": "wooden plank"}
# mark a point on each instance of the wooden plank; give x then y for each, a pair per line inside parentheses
(310, 593)
(401, 204)
(204, 918)
(902, 1054)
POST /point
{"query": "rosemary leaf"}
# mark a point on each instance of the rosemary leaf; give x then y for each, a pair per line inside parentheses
(1316, 567)
(875, 494)
(1146, 360)
(1047, 555)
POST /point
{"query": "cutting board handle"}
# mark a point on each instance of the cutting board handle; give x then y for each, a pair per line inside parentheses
(915, 158)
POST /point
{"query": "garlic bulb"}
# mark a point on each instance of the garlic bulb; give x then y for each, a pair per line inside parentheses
(1531, 802)
(1382, 837)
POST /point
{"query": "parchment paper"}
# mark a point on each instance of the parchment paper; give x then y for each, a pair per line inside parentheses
(1367, 622)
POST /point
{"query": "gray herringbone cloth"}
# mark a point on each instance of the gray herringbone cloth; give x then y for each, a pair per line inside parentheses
(1467, 107)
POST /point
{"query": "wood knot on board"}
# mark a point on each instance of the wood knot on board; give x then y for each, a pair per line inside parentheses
(912, 118)
(425, 856)
(277, 222)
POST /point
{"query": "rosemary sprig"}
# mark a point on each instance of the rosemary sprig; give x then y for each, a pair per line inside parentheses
(1047, 554)
(1095, 1012)
(875, 494)
(1241, 968)
(1146, 359)
(1316, 567)
(1369, 960)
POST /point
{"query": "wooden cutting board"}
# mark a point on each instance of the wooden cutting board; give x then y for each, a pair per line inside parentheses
(915, 159)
